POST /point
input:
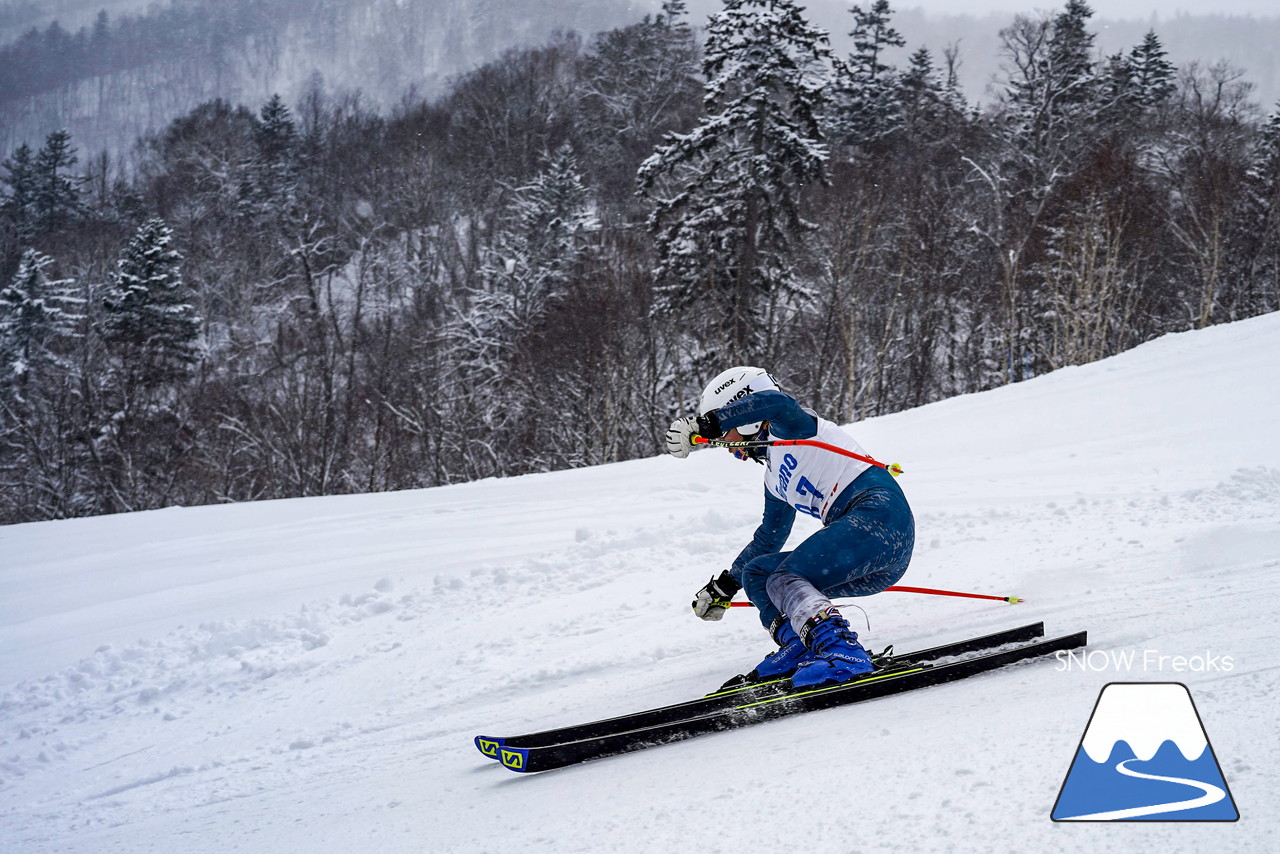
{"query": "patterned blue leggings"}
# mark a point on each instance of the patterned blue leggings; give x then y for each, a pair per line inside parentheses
(863, 551)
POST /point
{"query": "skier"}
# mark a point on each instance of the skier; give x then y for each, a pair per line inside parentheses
(864, 546)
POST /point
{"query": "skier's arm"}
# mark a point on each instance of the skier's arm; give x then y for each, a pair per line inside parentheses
(772, 534)
(711, 602)
(787, 418)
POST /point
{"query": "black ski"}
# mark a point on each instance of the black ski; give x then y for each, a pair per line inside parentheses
(491, 746)
(550, 756)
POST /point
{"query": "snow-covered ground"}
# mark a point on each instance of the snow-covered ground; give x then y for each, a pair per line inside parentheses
(308, 675)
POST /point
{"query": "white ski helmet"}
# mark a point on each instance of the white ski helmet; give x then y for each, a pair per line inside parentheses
(733, 384)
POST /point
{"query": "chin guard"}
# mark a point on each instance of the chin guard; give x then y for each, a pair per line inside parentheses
(757, 453)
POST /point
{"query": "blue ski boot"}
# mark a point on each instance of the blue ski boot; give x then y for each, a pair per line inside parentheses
(779, 664)
(790, 654)
(837, 655)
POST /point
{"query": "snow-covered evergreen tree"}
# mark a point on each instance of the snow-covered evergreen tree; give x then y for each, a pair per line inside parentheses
(17, 205)
(929, 106)
(56, 201)
(1257, 233)
(35, 313)
(147, 319)
(1263, 177)
(639, 83)
(726, 196)
(1152, 74)
(541, 245)
(275, 132)
(919, 84)
(139, 423)
(1070, 57)
(1053, 107)
(864, 92)
(43, 472)
(553, 214)
(1053, 87)
(546, 235)
(673, 13)
(1137, 82)
(269, 188)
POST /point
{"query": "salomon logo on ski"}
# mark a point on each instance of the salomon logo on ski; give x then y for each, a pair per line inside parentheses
(514, 759)
(1145, 756)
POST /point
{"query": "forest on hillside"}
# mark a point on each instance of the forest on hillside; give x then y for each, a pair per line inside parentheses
(539, 268)
(112, 75)
(109, 71)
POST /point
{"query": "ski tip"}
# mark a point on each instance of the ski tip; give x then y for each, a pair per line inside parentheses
(515, 758)
(489, 746)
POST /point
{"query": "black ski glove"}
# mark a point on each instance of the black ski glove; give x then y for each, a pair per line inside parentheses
(712, 601)
(709, 426)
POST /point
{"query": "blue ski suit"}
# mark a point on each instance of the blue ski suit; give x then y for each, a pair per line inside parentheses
(868, 530)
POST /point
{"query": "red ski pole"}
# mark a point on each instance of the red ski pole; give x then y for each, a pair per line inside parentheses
(1012, 600)
(892, 468)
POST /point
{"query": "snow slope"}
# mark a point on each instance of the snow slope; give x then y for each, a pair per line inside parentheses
(307, 675)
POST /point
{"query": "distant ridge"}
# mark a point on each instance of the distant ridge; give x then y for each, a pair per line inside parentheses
(438, 39)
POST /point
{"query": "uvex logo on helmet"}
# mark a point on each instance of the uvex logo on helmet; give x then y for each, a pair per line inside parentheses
(735, 384)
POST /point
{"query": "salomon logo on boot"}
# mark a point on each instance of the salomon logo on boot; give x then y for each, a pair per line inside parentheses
(791, 653)
(837, 655)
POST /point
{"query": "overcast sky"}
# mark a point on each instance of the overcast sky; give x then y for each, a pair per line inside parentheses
(1103, 8)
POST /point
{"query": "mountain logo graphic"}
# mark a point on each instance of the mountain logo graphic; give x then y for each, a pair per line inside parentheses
(1145, 756)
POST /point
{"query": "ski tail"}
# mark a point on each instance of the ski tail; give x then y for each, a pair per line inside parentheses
(1021, 634)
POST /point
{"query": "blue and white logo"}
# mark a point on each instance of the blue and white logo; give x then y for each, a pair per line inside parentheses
(1145, 757)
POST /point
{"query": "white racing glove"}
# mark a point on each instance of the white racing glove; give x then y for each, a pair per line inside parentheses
(679, 437)
(712, 601)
